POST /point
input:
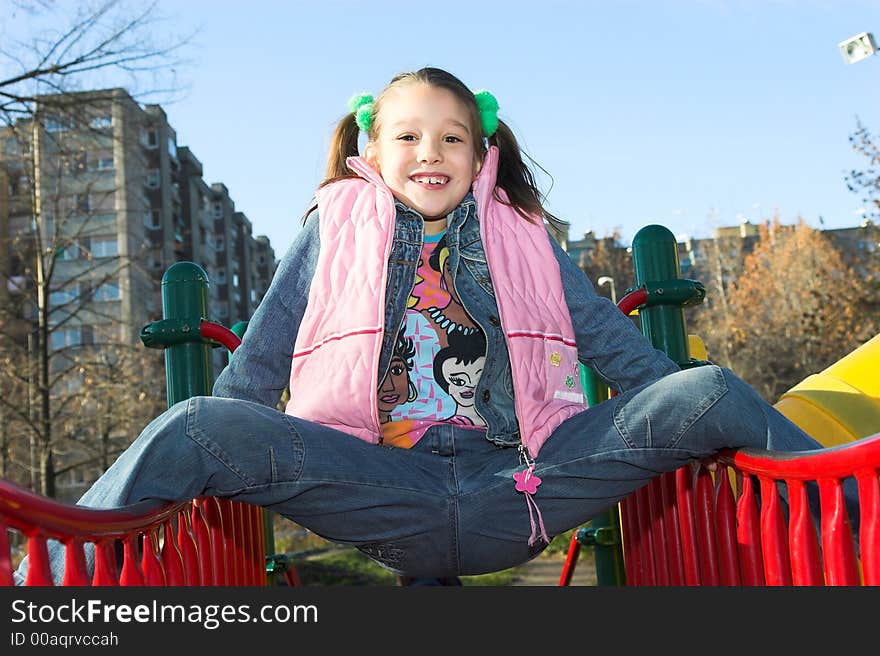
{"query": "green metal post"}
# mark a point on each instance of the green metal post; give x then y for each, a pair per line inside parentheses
(655, 260)
(603, 531)
(188, 370)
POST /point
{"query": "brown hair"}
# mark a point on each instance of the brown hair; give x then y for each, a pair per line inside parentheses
(514, 176)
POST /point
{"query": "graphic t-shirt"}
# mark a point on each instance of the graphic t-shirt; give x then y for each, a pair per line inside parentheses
(437, 359)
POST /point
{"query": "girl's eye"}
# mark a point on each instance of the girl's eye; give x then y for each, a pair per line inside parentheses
(407, 137)
(453, 139)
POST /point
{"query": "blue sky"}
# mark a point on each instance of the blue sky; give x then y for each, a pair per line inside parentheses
(688, 113)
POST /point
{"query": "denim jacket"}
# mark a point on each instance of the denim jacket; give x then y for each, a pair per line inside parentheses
(607, 341)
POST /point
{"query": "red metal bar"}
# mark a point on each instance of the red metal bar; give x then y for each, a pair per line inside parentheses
(214, 521)
(705, 516)
(629, 538)
(219, 333)
(646, 538)
(255, 551)
(725, 520)
(172, 560)
(131, 573)
(672, 532)
(806, 568)
(228, 525)
(188, 550)
(660, 550)
(260, 557)
(748, 534)
(208, 570)
(39, 572)
(574, 548)
(106, 573)
(685, 494)
(869, 525)
(633, 300)
(837, 540)
(154, 575)
(75, 570)
(777, 569)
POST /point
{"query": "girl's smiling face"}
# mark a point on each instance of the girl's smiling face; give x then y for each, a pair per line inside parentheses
(425, 150)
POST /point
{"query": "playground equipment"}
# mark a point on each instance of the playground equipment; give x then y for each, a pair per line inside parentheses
(697, 527)
(841, 403)
(689, 527)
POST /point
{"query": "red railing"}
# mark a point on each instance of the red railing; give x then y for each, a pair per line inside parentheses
(206, 541)
(729, 527)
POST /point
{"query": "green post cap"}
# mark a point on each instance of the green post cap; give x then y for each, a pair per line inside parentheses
(181, 272)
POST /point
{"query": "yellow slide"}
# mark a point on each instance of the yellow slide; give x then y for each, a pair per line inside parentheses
(842, 403)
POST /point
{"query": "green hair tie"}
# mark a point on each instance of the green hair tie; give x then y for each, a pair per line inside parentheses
(361, 105)
(488, 107)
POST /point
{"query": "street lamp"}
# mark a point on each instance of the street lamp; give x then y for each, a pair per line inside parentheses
(608, 280)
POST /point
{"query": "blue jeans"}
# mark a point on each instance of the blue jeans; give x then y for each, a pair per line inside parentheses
(447, 506)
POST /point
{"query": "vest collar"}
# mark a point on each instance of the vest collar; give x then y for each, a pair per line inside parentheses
(360, 166)
(484, 185)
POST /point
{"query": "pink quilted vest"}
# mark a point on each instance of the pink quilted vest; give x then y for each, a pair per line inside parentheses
(334, 375)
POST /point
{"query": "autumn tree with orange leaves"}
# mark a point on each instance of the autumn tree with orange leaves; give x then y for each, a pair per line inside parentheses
(796, 308)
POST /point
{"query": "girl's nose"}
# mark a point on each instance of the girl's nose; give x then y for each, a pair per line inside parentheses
(428, 151)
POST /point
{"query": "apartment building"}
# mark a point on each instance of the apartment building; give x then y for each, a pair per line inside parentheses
(111, 194)
(111, 182)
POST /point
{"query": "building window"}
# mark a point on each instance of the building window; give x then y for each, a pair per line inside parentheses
(69, 252)
(221, 276)
(150, 138)
(218, 210)
(62, 337)
(172, 147)
(99, 122)
(153, 178)
(82, 202)
(57, 124)
(108, 291)
(235, 280)
(218, 244)
(63, 296)
(105, 163)
(104, 247)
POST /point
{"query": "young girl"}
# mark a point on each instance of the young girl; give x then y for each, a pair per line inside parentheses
(415, 488)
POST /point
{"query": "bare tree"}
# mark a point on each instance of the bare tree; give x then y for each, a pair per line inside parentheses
(866, 182)
(54, 47)
(61, 271)
(609, 257)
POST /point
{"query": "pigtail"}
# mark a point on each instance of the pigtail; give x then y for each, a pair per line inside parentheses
(516, 178)
(344, 144)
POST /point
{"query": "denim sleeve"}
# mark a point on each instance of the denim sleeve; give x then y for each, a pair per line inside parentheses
(607, 340)
(259, 370)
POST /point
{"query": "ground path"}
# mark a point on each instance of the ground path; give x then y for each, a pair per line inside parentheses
(546, 569)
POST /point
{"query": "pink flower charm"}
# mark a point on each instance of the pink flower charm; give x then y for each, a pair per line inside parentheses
(526, 481)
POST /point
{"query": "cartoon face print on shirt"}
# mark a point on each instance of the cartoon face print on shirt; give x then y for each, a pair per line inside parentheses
(397, 388)
(457, 369)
